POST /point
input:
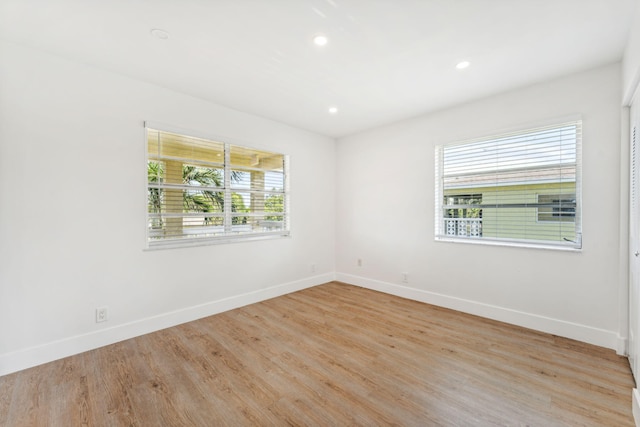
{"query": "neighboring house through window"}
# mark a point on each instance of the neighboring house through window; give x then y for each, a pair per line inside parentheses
(557, 207)
(521, 188)
(462, 215)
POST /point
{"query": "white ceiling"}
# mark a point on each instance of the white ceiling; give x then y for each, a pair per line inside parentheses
(386, 59)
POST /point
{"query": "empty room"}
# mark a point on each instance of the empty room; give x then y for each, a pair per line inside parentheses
(319, 213)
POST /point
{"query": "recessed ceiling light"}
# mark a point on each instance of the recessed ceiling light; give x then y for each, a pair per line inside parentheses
(160, 34)
(320, 40)
(333, 110)
(462, 65)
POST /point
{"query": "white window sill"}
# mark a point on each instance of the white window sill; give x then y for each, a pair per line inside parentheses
(509, 243)
(189, 243)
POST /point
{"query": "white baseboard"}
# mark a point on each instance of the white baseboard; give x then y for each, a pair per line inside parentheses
(599, 337)
(636, 406)
(623, 346)
(33, 356)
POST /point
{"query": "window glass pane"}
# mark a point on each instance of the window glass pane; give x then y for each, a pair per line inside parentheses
(241, 179)
(257, 180)
(256, 159)
(274, 181)
(198, 176)
(166, 145)
(557, 207)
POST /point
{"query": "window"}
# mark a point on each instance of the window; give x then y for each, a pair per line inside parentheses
(203, 191)
(521, 188)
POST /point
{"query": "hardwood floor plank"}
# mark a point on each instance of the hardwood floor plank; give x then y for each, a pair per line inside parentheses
(7, 391)
(330, 355)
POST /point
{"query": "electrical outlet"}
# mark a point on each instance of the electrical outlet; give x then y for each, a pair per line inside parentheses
(359, 262)
(405, 277)
(312, 267)
(101, 314)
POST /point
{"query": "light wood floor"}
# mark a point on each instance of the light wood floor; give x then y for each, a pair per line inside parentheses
(333, 355)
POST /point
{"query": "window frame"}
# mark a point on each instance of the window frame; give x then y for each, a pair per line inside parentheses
(439, 216)
(227, 189)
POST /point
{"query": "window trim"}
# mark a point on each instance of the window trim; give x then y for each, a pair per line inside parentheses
(228, 190)
(439, 228)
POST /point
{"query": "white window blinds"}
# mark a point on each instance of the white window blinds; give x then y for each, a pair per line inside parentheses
(521, 188)
(204, 191)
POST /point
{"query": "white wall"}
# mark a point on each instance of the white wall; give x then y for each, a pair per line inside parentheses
(385, 211)
(631, 61)
(72, 212)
